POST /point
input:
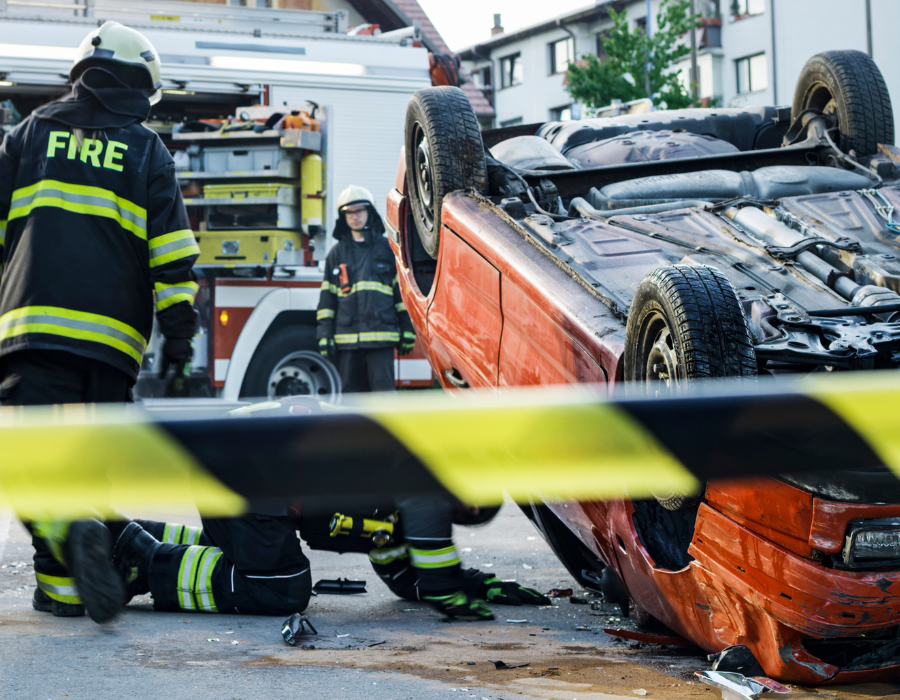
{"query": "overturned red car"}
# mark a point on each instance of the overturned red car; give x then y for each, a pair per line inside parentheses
(660, 249)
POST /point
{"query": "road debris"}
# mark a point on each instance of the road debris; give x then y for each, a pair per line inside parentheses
(575, 600)
(517, 622)
(639, 691)
(340, 586)
(503, 665)
(559, 593)
(736, 686)
(294, 626)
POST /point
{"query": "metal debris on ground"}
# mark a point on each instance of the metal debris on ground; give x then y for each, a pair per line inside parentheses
(575, 600)
(559, 592)
(503, 665)
(294, 626)
(517, 621)
(736, 686)
(341, 586)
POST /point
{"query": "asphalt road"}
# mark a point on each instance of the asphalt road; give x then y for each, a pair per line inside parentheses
(369, 647)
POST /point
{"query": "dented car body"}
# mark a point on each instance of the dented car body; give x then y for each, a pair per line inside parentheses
(661, 249)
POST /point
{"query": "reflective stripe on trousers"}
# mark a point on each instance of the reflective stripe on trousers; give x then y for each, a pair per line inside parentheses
(434, 558)
(59, 588)
(195, 578)
(181, 534)
(79, 325)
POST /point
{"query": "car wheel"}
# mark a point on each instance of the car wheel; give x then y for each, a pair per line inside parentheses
(571, 551)
(848, 85)
(287, 365)
(444, 153)
(685, 323)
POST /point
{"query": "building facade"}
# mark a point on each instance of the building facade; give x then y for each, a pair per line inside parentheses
(749, 51)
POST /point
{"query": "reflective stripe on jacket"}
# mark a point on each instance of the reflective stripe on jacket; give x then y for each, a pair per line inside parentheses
(368, 311)
(91, 229)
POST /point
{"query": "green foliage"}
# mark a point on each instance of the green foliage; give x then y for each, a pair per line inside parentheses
(632, 58)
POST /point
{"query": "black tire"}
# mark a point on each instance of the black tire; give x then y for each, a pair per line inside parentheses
(571, 551)
(444, 153)
(686, 323)
(687, 318)
(319, 377)
(680, 502)
(849, 85)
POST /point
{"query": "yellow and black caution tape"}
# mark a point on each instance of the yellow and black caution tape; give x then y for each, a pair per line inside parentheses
(559, 444)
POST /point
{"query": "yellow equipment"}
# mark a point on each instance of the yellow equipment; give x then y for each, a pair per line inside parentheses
(380, 531)
(312, 207)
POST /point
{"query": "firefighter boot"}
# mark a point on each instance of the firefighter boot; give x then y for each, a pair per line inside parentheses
(42, 602)
(131, 557)
(88, 552)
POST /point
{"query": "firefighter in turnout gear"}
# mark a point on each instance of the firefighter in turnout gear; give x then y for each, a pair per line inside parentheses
(93, 233)
(361, 316)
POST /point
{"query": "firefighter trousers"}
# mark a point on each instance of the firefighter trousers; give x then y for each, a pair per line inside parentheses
(366, 370)
(250, 565)
(44, 377)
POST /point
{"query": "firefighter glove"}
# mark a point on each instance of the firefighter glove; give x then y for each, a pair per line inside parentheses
(327, 349)
(407, 343)
(494, 590)
(177, 350)
(461, 606)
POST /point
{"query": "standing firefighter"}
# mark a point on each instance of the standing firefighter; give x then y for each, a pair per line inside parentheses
(361, 315)
(94, 224)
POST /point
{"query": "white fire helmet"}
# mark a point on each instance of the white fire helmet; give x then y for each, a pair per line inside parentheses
(354, 194)
(112, 42)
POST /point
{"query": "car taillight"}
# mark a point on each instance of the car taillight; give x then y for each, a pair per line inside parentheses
(872, 543)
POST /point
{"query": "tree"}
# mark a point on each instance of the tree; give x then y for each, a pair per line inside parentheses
(633, 59)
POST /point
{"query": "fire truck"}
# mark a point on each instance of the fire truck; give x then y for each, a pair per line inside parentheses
(269, 114)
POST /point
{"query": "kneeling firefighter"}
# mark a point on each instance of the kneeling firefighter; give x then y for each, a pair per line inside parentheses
(92, 225)
(418, 560)
(254, 564)
(361, 315)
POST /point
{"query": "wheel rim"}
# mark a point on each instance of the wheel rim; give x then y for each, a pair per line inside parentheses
(424, 177)
(304, 373)
(658, 360)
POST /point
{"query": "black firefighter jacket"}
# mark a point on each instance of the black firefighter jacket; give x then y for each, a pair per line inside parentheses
(90, 229)
(367, 312)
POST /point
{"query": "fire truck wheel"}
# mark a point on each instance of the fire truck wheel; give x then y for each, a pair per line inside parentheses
(444, 153)
(287, 365)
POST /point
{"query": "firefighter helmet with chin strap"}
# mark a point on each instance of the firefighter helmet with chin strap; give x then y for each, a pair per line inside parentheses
(113, 44)
(354, 194)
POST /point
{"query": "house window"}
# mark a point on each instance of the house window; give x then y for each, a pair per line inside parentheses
(601, 50)
(511, 122)
(561, 54)
(752, 73)
(641, 24)
(742, 8)
(511, 70)
(482, 78)
(561, 114)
